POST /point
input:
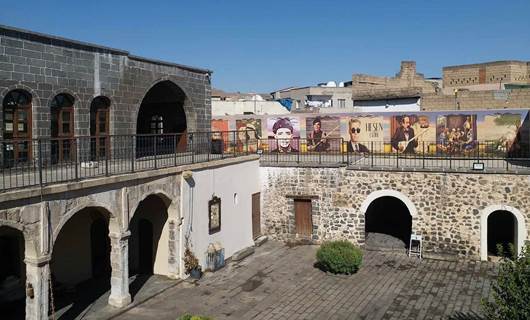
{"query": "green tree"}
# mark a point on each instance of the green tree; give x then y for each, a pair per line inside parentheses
(510, 299)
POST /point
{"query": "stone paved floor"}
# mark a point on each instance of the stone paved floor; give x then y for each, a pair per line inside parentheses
(279, 282)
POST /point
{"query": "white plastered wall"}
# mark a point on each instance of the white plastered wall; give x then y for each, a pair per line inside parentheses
(236, 218)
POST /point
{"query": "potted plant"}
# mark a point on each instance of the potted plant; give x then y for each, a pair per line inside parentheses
(191, 264)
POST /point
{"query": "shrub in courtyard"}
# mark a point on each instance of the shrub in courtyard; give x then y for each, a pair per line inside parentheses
(339, 257)
(510, 298)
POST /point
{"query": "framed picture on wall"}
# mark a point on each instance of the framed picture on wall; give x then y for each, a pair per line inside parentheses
(214, 215)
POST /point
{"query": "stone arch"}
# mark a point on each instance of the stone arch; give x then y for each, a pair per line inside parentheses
(187, 102)
(521, 231)
(114, 225)
(389, 193)
(30, 246)
(151, 244)
(166, 198)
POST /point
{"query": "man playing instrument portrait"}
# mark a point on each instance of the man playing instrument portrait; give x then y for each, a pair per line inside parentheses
(316, 140)
(403, 139)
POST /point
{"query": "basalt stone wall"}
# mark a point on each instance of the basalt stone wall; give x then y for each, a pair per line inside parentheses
(448, 206)
(45, 66)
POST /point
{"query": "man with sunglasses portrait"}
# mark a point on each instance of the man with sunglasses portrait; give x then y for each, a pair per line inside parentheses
(354, 126)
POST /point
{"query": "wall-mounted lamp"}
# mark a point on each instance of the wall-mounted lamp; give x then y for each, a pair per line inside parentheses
(187, 175)
(29, 291)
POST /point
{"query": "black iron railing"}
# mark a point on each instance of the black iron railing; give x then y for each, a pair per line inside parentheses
(493, 156)
(45, 161)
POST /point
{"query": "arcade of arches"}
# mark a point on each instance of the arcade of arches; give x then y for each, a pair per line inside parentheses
(160, 112)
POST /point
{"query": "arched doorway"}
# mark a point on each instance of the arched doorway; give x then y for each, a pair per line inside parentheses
(148, 244)
(502, 230)
(388, 224)
(12, 273)
(17, 127)
(162, 114)
(99, 127)
(501, 224)
(80, 265)
(62, 128)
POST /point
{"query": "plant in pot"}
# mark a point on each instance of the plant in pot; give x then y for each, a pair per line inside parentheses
(191, 264)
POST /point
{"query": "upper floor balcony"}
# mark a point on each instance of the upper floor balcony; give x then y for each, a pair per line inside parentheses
(45, 161)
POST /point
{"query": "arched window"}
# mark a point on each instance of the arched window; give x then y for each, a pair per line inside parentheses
(62, 127)
(17, 127)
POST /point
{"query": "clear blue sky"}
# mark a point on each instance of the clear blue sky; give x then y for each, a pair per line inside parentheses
(266, 45)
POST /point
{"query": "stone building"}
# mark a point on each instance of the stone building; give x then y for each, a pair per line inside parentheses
(458, 214)
(496, 75)
(53, 87)
(490, 85)
(79, 204)
(399, 93)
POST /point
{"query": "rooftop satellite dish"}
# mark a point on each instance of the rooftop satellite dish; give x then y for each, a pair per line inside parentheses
(341, 84)
(331, 84)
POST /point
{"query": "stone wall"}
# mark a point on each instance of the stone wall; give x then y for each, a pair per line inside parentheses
(493, 72)
(448, 206)
(46, 66)
(477, 100)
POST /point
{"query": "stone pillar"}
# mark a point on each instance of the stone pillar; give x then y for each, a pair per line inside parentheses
(37, 287)
(174, 251)
(119, 260)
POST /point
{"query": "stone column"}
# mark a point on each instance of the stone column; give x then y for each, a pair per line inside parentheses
(174, 249)
(37, 287)
(119, 260)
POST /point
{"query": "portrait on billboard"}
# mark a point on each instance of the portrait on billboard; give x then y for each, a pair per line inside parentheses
(456, 133)
(407, 130)
(248, 134)
(362, 132)
(323, 133)
(219, 136)
(284, 134)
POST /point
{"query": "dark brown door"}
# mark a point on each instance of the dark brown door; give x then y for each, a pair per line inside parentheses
(102, 132)
(481, 75)
(256, 219)
(62, 134)
(17, 129)
(302, 217)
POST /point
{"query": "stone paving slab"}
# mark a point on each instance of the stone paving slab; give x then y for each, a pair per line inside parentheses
(279, 282)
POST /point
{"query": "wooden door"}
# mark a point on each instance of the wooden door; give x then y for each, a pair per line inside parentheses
(65, 134)
(17, 128)
(256, 215)
(303, 218)
(102, 132)
(482, 75)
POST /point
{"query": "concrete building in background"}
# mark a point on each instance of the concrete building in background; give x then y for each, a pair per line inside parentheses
(324, 97)
(227, 104)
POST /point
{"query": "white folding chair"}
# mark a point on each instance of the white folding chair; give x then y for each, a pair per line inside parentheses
(415, 245)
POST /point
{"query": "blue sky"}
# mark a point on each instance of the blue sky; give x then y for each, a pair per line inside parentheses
(266, 45)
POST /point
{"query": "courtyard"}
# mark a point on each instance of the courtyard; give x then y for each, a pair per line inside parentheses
(280, 282)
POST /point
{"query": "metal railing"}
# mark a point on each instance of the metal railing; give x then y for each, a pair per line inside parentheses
(485, 156)
(44, 161)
